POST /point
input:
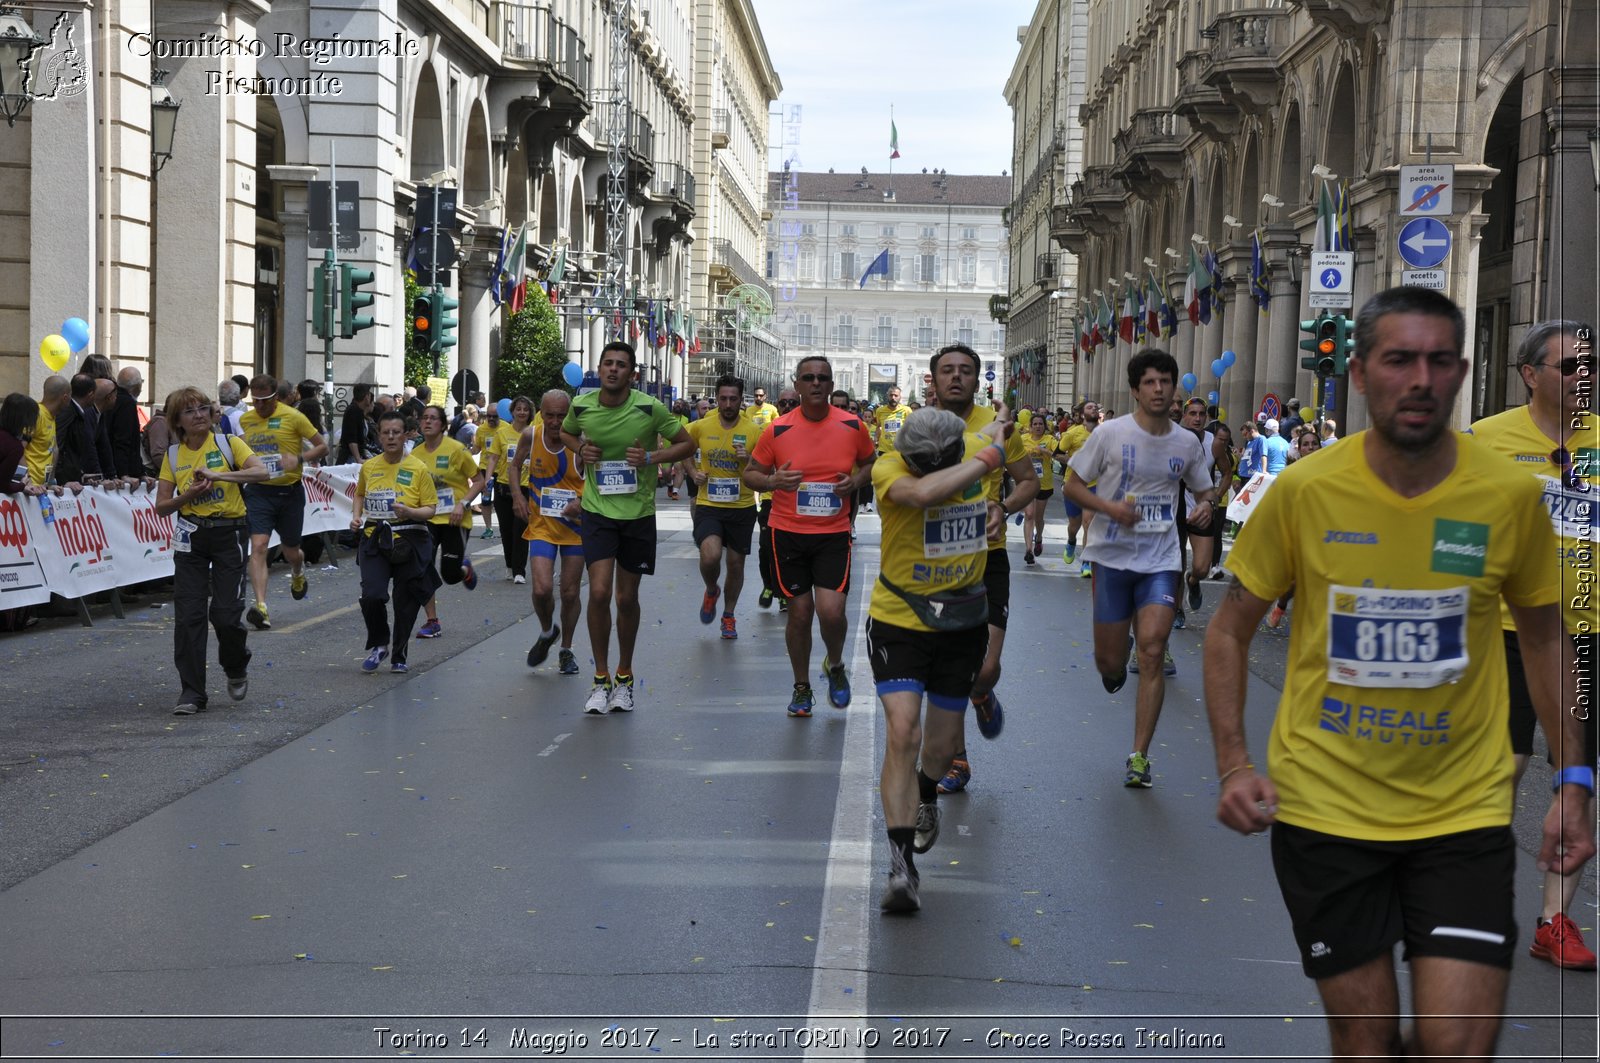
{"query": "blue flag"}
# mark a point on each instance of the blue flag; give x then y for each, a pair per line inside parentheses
(880, 266)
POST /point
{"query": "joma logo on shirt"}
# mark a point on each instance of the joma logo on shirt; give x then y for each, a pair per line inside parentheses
(1356, 538)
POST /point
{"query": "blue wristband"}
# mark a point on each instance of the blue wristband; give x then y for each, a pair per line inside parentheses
(1580, 774)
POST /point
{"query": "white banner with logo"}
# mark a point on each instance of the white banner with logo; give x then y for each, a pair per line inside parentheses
(74, 545)
(1249, 496)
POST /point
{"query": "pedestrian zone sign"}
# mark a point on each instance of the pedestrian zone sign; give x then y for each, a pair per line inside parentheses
(1426, 190)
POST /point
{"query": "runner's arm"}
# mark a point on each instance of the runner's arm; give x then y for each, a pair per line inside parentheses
(1249, 801)
(924, 492)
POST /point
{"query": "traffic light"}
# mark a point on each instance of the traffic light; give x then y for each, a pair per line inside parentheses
(422, 323)
(321, 313)
(1347, 344)
(990, 389)
(352, 299)
(444, 325)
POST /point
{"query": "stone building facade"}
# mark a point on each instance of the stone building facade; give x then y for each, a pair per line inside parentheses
(1201, 116)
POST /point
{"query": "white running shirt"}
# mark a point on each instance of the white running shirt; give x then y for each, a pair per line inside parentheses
(1130, 463)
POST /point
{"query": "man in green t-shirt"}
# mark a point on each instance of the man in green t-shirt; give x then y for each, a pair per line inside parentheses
(613, 431)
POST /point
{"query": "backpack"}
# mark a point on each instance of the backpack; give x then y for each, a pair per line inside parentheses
(222, 445)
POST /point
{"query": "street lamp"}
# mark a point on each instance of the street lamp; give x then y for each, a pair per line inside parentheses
(17, 42)
(163, 119)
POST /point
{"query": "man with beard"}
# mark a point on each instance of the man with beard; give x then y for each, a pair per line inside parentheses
(1390, 795)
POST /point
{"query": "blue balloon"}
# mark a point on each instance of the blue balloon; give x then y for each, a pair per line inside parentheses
(503, 407)
(1211, 396)
(1228, 358)
(1218, 367)
(572, 374)
(1189, 381)
(75, 330)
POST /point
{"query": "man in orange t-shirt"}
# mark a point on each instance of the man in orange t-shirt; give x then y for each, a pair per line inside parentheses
(811, 459)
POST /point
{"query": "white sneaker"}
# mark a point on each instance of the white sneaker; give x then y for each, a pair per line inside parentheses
(519, 578)
(599, 694)
(621, 697)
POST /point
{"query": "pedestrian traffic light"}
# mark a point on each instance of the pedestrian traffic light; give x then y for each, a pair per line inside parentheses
(321, 312)
(352, 299)
(422, 323)
(990, 389)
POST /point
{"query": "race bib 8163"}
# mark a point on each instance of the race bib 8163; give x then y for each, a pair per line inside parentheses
(1381, 637)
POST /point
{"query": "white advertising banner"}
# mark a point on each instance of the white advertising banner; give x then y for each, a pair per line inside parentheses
(74, 545)
(1248, 496)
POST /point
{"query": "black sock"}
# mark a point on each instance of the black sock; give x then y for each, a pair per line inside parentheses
(927, 789)
(901, 839)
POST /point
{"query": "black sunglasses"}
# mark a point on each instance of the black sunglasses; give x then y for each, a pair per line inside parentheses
(1571, 476)
(814, 378)
(1569, 365)
(788, 402)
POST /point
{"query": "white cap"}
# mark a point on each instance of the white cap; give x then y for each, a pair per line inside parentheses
(1271, 426)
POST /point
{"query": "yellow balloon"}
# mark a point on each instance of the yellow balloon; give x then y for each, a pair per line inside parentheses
(55, 351)
(1222, 415)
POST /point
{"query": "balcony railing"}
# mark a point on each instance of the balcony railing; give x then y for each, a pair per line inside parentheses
(721, 127)
(528, 32)
(641, 137)
(1245, 47)
(1045, 270)
(743, 272)
(674, 181)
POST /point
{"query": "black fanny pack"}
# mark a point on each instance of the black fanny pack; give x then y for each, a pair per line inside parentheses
(394, 543)
(959, 610)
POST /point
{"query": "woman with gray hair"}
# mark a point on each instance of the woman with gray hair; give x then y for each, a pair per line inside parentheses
(927, 627)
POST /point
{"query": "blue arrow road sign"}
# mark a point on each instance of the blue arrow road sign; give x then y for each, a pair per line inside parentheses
(1424, 243)
(989, 376)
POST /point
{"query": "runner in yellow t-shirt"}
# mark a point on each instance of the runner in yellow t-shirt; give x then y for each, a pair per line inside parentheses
(1040, 447)
(1087, 417)
(725, 509)
(283, 439)
(394, 500)
(1390, 796)
(498, 453)
(457, 480)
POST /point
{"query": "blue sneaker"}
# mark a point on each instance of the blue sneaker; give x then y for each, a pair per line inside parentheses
(991, 716)
(469, 575)
(1069, 553)
(838, 684)
(400, 668)
(801, 702)
(375, 657)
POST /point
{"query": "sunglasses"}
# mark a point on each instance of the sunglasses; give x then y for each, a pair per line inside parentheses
(814, 378)
(1571, 476)
(788, 402)
(1568, 366)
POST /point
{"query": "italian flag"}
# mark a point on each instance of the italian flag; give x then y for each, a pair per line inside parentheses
(516, 270)
(894, 140)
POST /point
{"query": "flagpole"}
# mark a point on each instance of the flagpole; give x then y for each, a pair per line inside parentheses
(892, 149)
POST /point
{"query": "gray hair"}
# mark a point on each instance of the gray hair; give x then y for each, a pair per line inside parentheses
(927, 434)
(228, 393)
(1531, 350)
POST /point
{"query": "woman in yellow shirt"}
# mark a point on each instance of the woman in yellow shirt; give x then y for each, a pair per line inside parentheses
(199, 485)
(393, 503)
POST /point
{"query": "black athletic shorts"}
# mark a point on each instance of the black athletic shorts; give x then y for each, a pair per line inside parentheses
(1044, 496)
(803, 560)
(631, 542)
(1351, 900)
(1523, 718)
(997, 581)
(941, 664)
(733, 526)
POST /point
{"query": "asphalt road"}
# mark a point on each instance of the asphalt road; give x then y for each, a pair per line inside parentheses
(462, 850)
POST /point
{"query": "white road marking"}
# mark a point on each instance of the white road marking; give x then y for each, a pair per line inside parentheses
(551, 748)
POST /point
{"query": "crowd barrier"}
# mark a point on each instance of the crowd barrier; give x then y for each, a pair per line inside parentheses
(102, 539)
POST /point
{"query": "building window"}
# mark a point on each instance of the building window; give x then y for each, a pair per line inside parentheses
(1005, 272)
(970, 233)
(964, 331)
(887, 230)
(925, 333)
(885, 331)
(847, 229)
(969, 268)
(928, 269)
(1000, 338)
(808, 265)
(928, 232)
(771, 262)
(847, 267)
(846, 336)
(808, 229)
(802, 331)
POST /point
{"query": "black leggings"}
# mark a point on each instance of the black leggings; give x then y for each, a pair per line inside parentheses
(511, 528)
(450, 545)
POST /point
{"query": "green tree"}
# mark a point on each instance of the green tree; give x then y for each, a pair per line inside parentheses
(419, 364)
(533, 354)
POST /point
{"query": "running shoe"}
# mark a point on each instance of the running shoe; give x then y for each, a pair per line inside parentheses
(838, 685)
(298, 586)
(1133, 661)
(783, 605)
(708, 606)
(1069, 553)
(1169, 667)
(541, 647)
(1086, 571)
(599, 697)
(1027, 556)
(955, 780)
(1114, 683)
(567, 663)
(469, 575)
(1561, 942)
(187, 708)
(1179, 621)
(1138, 771)
(1038, 546)
(488, 533)
(519, 579)
(927, 827)
(802, 701)
(900, 896)
(673, 495)
(1018, 521)
(1195, 600)
(238, 687)
(729, 631)
(765, 601)
(430, 630)
(621, 699)
(375, 657)
(257, 615)
(400, 667)
(1275, 618)
(991, 716)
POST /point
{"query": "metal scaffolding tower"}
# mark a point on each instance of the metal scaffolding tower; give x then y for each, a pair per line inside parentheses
(613, 289)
